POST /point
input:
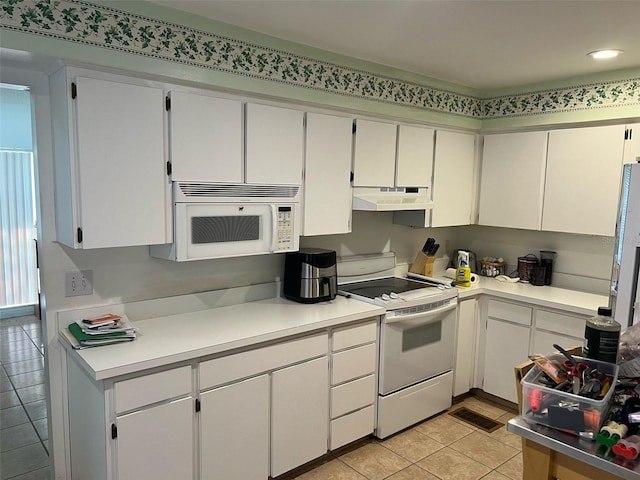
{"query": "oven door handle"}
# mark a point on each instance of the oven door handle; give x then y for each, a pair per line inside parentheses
(427, 316)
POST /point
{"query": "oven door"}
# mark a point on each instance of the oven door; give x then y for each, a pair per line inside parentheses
(416, 346)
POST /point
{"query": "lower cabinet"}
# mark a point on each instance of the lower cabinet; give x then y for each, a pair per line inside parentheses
(515, 330)
(250, 415)
(234, 424)
(299, 412)
(156, 442)
(466, 334)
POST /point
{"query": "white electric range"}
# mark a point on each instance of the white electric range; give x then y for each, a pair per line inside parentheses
(417, 336)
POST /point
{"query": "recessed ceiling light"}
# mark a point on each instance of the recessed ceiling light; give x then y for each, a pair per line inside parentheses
(605, 53)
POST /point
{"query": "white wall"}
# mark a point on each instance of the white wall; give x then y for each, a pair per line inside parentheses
(583, 262)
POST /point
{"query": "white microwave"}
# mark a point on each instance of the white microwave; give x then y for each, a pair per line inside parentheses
(217, 221)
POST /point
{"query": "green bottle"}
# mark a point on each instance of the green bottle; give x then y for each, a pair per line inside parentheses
(601, 337)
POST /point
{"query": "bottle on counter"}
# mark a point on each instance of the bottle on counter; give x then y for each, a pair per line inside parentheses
(601, 337)
(463, 272)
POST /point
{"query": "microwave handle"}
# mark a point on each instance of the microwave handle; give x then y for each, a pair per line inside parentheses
(274, 227)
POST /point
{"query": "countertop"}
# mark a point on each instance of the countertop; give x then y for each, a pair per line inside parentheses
(544, 296)
(182, 337)
(583, 450)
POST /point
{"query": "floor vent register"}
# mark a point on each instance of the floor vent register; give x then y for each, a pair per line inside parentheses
(469, 416)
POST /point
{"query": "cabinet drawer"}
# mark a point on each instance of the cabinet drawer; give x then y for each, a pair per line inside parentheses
(562, 323)
(241, 365)
(509, 312)
(156, 387)
(353, 395)
(351, 427)
(353, 363)
(356, 335)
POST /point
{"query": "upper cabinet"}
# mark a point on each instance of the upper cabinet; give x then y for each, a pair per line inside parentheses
(112, 187)
(389, 155)
(414, 162)
(205, 138)
(327, 183)
(274, 140)
(453, 179)
(374, 154)
(583, 180)
(512, 182)
(632, 143)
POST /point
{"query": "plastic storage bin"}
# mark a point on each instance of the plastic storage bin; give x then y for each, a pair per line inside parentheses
(565, 411)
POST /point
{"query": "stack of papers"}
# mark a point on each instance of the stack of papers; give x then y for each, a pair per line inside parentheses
(104, 330)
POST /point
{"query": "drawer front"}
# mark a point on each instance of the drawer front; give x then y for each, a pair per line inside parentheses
(560, 323)
(351, 427)
(510, 312)
(246, 364)
(156, 387)
(356, 335)
(353, 363)
(353, 395)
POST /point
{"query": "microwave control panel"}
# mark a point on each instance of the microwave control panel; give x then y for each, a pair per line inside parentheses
(284, 227)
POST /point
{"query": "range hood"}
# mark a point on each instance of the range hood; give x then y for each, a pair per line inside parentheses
(391, 199)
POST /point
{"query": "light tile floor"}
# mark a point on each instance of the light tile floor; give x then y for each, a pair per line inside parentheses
(440, 448)
(23, 407)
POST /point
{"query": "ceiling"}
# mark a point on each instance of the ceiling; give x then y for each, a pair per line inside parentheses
(482, 44)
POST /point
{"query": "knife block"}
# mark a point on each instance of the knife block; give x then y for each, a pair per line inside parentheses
(423, 265)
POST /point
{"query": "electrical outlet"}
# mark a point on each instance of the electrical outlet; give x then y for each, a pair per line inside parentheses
(78, 283)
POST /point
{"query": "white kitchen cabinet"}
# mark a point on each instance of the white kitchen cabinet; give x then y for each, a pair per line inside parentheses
(512, 181)
(466, 334)
(453, 179)
(205, 138)
(327, 175)
(374, 154)
(156, 442)
(354, 360)
(299, 413)
(508, 328)
(562, 328)
(234, 425)
(112, 188)
(139, 427)
(274, 140)
(414, 162)
(632, 143)
(583, 180)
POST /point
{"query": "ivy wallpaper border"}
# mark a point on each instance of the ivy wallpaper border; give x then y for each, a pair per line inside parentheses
(107, 27)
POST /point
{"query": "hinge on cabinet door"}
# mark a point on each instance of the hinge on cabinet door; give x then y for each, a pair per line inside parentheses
(168, 168)
(353, 129)
(167, 103)
(114, 431)
(626, 134)
(351, 177)
(79, 235)
(74, 90)
(197, 404)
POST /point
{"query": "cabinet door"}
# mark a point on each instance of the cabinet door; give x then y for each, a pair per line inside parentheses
(512, 183)
(274, 145)
(327, 179)
(205, 138)
(414, 164)
(466, 347)
(234, 428)
(583, 180)
(507, 345)
(156, 442)
(374, 154)
(632, 143)
(299, 414)
(543, 341)
(120, 165)
(453, 175)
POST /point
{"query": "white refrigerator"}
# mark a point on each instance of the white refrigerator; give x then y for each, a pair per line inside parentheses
(625, 288)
